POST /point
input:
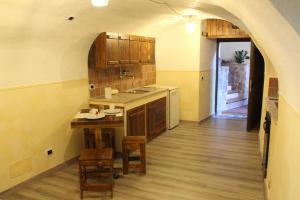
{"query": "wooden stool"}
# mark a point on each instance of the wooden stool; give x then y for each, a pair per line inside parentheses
(130, 144)
(96, 163)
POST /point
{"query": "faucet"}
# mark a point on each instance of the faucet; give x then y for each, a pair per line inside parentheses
(126, 73)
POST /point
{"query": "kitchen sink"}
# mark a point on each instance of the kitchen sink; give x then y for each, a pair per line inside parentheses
(138, 91)
(141, 90)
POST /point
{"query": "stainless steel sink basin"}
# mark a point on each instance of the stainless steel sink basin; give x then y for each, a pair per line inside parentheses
(141, 90)
(138, 91)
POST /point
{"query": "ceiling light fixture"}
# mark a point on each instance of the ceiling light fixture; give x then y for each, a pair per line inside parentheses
(99, 3)
(190, 25)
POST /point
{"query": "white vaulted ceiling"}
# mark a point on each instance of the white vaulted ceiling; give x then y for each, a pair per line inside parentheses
(38, 44)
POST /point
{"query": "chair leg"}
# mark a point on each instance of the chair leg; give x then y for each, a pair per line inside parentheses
(80, 181)
(143, 157)
(125, 161)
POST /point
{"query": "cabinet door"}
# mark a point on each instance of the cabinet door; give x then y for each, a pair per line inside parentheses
(143, 50)
(160, 115)
(151, 51)
(123, 49)
(156, 118)
(112, 49)
(151, 121)
(136, 121)
(92, 57)
(97, 54)
(134, 47)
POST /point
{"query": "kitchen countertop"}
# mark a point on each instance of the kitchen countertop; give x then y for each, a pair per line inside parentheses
(127, 97)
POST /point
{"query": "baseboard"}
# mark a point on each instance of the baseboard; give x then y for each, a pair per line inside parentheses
(188, 121)
(266, 190)
(197, 122)
(205, 119)
(41, 175)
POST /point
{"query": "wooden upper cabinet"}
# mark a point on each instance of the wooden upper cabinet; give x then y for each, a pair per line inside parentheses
(144, 50)
(151, 50)
(147, 50)
(134, 47)
(113, 50)
(124, 51)
(217, 28)
(104, 51)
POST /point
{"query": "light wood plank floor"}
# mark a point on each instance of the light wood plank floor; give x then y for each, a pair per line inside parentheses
(216, 160)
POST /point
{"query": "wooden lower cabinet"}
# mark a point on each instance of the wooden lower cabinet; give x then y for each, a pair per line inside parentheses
(147, 120)
(156, 118)
(136, 119)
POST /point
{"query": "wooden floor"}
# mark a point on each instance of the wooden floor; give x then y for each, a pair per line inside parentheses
(216, 160)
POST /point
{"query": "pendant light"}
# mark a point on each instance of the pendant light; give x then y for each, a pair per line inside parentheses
(99, 3)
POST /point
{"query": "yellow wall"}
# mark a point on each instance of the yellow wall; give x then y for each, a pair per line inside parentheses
(283, 175)
(282, 180)
(269, 72)
(195, 94)
(182, 58)
(206, 94)
(36, 118)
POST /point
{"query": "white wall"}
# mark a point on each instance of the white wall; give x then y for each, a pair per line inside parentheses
(227, 50)
(290, 10)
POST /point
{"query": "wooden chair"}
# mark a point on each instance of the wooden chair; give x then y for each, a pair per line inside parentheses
(96, 163)
(131, 144)
(107, 138)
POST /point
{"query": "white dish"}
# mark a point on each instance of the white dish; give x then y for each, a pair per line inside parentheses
(92, 116)
(112, 111)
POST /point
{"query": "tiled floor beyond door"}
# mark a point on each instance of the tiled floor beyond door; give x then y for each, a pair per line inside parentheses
(240, 112)
(216, 160)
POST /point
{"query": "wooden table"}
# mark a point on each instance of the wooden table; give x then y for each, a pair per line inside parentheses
(97, 125)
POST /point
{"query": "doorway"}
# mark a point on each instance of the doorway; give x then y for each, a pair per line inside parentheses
(239, 81)
(233, 79)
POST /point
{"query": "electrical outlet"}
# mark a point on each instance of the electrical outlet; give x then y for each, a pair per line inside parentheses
(49, 151)
(92, 87)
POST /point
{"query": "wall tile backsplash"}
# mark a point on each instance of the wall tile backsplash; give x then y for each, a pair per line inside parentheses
(110, 77)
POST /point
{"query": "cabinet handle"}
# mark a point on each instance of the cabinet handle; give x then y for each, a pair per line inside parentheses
(124, 61)
(112, 62)
(134, 61)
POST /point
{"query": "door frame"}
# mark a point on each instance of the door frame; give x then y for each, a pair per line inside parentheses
(256, 87)
(219, 40)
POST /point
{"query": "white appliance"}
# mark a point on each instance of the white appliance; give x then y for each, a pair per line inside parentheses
(173, 105)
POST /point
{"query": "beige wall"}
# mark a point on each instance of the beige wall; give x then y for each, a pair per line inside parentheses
(182, 60)
(177, 49)
(282, 180)
(283, 176)
(34, 119)
(269, 72)
(188, 82)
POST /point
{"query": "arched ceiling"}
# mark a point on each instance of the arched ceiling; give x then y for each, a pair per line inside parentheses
(38, 44)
